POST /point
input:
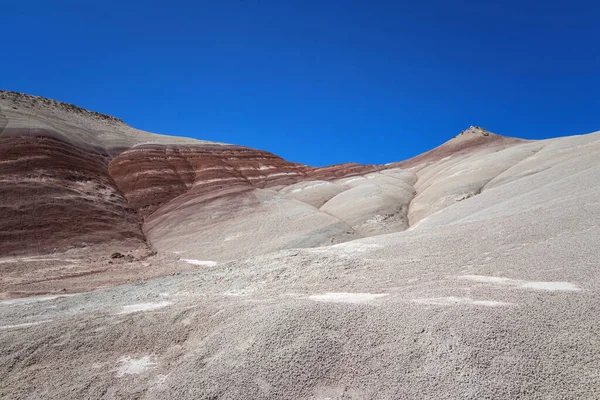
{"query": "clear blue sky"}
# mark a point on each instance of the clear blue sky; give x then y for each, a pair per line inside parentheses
(318, 82)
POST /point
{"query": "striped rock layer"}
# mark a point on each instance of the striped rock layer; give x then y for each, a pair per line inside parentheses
(72, 178)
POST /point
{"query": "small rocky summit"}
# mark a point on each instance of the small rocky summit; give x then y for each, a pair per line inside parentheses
(135, 265)
(474, 131)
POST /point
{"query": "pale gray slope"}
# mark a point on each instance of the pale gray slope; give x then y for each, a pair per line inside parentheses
(305, 214)
(248, 223)
(554, 171)
(314, 193)
(376, 203)
(496, 296)
(460, 177)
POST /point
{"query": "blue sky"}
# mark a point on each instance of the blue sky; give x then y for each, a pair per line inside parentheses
(317, 82)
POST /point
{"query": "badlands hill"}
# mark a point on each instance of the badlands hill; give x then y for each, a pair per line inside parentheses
(224, 272)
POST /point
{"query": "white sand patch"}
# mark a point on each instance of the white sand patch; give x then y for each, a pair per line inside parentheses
(490, 279)
(199, 262)
(451, 300)
(132, 308)
(34, 259)
(26, 300)
(550, 286)
(490, 303)
(25, 324)
(341, 297)
(34, 299)
(134, 366)
(355, 247)
(561, 286)
(235, 236)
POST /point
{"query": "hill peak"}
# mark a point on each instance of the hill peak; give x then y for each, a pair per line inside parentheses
(475, 131)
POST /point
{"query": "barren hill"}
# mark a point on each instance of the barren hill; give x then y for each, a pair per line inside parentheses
(470, 271)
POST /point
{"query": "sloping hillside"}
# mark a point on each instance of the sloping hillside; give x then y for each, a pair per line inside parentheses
(470, 271)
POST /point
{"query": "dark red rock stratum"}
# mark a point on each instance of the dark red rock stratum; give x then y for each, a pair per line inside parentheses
(55, 196)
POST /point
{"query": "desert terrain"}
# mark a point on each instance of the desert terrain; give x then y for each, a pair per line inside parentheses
(143, 266)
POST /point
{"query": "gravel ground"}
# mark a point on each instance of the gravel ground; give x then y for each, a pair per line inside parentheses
(472, 311)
